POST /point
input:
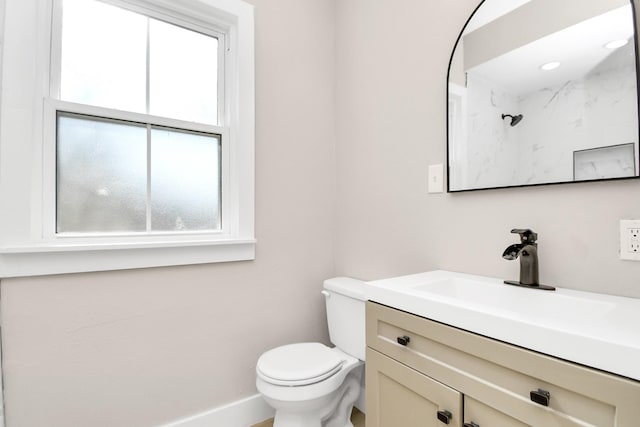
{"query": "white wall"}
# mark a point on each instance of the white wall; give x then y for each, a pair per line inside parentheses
(391, 69)
(144, 347)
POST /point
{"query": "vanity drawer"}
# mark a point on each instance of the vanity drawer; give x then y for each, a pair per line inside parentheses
(502, 375)
(400, 396)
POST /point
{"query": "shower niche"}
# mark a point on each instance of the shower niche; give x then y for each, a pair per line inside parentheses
(543, 92)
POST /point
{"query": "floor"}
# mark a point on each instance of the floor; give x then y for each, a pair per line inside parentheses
(357, 418)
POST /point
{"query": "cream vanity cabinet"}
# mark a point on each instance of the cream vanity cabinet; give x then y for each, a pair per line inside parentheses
(423, 373)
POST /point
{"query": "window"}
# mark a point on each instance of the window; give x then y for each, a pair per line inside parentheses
(141, 152)
(135, 175)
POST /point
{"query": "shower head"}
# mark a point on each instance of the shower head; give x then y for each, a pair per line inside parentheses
(514, 119)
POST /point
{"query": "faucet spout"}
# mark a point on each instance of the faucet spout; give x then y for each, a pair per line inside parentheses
(513, 251)
(527, 251)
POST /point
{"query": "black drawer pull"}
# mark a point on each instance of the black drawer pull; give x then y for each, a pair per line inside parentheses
(541, 397)
(471, 424)
(444, 416)
(403, 340)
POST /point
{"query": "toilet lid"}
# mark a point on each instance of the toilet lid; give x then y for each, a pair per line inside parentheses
(298, 364)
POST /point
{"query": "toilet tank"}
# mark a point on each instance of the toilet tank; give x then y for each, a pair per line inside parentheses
(345, 298)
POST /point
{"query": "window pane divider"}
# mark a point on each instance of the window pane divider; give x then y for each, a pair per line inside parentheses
(140, 118)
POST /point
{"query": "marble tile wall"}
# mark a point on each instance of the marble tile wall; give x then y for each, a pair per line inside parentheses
(595, 110)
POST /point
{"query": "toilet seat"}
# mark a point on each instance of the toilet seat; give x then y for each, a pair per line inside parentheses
(298, 364)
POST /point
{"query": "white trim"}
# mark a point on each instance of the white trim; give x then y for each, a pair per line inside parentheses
(19, 262)
(242, 413)
(28, 244)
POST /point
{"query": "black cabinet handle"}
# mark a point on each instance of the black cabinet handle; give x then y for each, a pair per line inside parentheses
(403, 340)
(444, 416)
(541, 397)
(471, 424)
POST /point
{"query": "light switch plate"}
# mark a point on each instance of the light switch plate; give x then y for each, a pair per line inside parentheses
(630, 239)
(436, 179)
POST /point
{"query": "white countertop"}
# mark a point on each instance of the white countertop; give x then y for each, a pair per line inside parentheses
(596, 330)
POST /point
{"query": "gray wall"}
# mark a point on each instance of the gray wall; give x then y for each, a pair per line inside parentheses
(147, 346)
(391, 70)
(141, 348)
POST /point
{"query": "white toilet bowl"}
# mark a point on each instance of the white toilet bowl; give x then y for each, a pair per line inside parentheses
(309, 384)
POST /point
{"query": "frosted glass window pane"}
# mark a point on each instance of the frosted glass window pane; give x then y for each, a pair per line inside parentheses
(101, 175)
(185, 181)
(183, 73)
(103, 56)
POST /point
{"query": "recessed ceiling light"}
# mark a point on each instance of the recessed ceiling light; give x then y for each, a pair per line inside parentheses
(614, 44)
(550, 66)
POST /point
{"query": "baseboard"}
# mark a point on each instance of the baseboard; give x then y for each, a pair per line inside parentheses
(242, 413)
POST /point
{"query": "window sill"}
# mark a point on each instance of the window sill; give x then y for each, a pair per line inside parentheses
(39, 260)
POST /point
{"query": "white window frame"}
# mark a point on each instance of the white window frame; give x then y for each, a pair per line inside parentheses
(29, 244)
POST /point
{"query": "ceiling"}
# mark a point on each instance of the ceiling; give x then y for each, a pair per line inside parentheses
(579, 48)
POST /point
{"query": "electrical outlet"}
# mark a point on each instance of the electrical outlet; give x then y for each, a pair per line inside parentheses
(630, 239)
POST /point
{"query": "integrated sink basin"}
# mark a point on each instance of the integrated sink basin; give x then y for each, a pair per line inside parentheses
(485, 294)
(596, 330)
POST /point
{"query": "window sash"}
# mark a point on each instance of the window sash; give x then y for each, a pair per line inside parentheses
(148, 199)
(53, 107)
(155, 12)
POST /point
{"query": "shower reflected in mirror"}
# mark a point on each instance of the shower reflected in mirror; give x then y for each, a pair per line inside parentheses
(514, 119)
(571, 71)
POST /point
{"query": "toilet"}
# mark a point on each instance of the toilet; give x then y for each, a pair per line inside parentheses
(310, 384)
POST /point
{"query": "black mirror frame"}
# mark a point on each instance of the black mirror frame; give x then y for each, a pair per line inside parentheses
(635, 17)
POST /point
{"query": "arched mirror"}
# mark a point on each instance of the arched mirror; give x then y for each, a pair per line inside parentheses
(541, 92)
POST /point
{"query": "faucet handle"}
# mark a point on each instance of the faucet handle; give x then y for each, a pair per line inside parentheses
(526, 235)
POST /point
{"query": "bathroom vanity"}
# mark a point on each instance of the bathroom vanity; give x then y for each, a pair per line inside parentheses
(439, 353)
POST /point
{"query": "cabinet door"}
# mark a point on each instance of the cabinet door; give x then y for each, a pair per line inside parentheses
(400, 396)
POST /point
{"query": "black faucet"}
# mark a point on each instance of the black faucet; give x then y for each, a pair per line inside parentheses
(527, 250)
